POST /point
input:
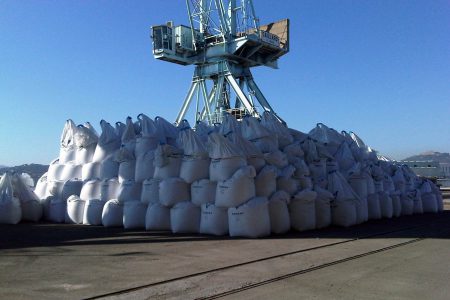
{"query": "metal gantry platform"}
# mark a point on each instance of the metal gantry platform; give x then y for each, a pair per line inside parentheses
(224, 40)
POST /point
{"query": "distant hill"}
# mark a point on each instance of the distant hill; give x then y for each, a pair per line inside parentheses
(431, 155)
(35, 170)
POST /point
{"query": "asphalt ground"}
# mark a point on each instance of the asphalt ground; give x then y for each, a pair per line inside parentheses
(401, 258)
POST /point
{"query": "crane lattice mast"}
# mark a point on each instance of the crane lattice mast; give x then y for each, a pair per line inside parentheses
(223, 40)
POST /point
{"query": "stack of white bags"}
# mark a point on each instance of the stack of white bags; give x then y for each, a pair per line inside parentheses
(249, 178)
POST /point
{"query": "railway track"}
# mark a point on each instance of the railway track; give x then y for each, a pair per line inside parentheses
(172, 286)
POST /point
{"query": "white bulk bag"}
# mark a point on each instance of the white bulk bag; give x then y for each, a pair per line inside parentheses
(294, 150)
(54, 188)
(332, 165)
(57, 210)
(10, 210)
(185, 218)
(252, 129)
(226, 157)
(145, 144)
(305, 182)
(194, 168)
(343, 206)
(109, 189)
(55, 170)
(167, 130)
(386, 206)
(269, 121)
(71, 187)
(90, 171)
(129, 190)
(85, 155)
(109, 167)
(388, 184)
(149, 137)
(359, 185)
(288, 184)
(437, 192)
(31, 210)
(45, 207)
(71, 171)
(310, 149)
(127, 170)
(93, 210)
(259, 135)
(75, 210)
(150, 191)
(253, 155)
(203, 191)
(157, 217)
(277, 159)
(29, 201)
(195, 162)
(298, 135)
(251, 219)
(280, 221)
(229, 125)
(112, 214)
(167, 162)
(134, 214)
(344, 157)
(202, 129)
(302, 210)
(301, 168)
(318, 171)
(378, 186)
(173, 190)
(343, 212)
(418, 206)
(41, 187)
(236, 190)
(373, 205)
(257, 162)
(67, 151)
(86, 141)
(429, 203)
(399, 180)
(91, 190)
(426, 188)
(327, 136)
(119, 129)
(266, 181)
(214, 220)
(224, 168)
(408, 204)
(145, 167)
(323, 207)
(397, 205)
(108, 142)
(128, 137)
(362, 210)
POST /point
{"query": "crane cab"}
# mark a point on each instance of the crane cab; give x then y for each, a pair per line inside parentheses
(162, 39)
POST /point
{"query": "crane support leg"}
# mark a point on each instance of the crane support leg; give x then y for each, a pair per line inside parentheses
(186, 103)
(244, 100)
(261, 99)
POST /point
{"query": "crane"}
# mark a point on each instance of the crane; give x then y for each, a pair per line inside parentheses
(224, 40)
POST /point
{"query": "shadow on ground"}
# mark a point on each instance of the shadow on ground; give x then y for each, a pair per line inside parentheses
(26, 235)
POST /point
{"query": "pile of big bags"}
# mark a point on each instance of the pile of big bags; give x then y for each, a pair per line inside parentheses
(248, 178)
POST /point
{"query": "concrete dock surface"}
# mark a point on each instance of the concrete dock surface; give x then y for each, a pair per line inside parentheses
(400, 258)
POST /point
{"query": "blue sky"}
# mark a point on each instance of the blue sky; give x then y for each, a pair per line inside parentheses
(379, 68)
